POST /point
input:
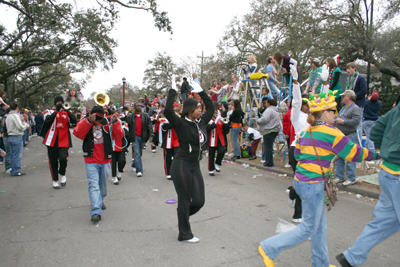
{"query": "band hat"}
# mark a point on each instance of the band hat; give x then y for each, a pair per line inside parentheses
(57, 99)
(349, 93)
(316, 60)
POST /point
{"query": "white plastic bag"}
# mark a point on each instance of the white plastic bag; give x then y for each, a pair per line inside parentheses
(284, 226)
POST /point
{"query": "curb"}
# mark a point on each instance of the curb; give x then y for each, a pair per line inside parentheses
(355, 190)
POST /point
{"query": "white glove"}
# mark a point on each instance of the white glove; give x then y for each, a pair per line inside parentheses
(173, 85)
(196, 87)
(324, 73)
(293, 70)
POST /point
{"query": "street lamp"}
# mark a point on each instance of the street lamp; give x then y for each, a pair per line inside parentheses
(123, 91)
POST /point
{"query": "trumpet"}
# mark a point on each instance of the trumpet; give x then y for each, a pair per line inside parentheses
(66, 106)
(124, 124)
(101, 99)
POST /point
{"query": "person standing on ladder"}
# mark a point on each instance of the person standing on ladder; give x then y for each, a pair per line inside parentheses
(314, 81)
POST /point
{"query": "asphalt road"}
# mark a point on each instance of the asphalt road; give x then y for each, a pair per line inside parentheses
(40, 226)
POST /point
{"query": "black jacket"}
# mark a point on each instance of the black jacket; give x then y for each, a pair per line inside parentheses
(185, 87)
(188, 131)
(49, 121)
(147, 130)
(236, 116)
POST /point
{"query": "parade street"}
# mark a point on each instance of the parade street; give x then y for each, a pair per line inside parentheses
(41, 226)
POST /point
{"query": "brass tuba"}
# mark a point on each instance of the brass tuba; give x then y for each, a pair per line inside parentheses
(101, 99)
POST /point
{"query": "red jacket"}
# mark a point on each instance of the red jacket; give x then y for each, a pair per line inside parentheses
(287, 125)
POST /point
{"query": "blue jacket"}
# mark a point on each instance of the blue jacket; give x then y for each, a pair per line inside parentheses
(361, 90)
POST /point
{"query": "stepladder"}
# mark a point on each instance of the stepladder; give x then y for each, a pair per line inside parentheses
(286, 88)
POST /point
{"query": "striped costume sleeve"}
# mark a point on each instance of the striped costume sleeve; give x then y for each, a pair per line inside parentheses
(346, 149)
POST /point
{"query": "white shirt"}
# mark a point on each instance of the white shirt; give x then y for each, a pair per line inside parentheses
(256, 133)
(297, 117)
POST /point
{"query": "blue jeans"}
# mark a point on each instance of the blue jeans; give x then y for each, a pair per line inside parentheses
(235, 139)
(16, 148)
(386, 220)
(351, 166)
(7, 159)
(314, 225)
(367, 129)
(274, 90)
(97, 175)
(184, 96)
(137, 148)
(269, 148)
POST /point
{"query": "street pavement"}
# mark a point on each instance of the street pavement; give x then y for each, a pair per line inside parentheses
(41, 226)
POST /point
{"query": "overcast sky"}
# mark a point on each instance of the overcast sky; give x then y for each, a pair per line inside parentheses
(139, 40)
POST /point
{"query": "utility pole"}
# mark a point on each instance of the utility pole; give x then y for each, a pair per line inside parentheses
(201, 67)
(369, 28)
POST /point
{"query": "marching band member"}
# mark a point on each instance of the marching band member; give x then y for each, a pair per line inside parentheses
(169, 143)
(97, 151)
(185, 168)
(118, 155)
(215, 132)
(57, 138)
(155, 124)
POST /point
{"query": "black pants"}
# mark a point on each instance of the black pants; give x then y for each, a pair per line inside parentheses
(211, 157)
(154, 142)
(269, 148)
(168, 154)
(293, 194)
(117, 157)
(189, 186)
(57, 154)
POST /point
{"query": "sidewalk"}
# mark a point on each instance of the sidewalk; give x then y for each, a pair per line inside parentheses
(362, 188)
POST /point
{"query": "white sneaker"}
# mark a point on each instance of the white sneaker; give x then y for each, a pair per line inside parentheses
(56, 185)
(63, 180)
(134, 169)
(211, 173)
(347, 182)
(8, 171)
(287, 165)
(338, 181)
(231, 154)
(262, 161)
(206, 154)
(291, 201)
(169, 177)
(226, 154)
(193, 240)
(139, 174)
(115, 180)
(297, 220)
(1, 163)
(119, 175)
(217, 168)
(154, 151)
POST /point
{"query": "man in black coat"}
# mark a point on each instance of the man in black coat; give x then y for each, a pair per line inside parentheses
(185, 89)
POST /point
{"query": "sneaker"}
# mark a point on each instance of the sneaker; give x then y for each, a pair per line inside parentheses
(8, 171)
(262, 161)
(342, 260)
(217, 168)
(231, 154)
(115, 180)
(299, 220)
(139, 174)
(119, 175)
(226, 154)
(103, 206)
(211, 173)
(252, 157)
(56, 185)
(134, 169)
(206, 154)
(1, 163)
(267, 261)
(291, 201)
(63, 180)
(96, 218)
(154, 151)
(19, 174)
(347, 183)
(235, 158)
(287, 165)
(338, 181)
(169, 177)
(193, 240)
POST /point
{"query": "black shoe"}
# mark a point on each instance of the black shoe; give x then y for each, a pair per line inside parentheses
(235, 158)
(96, 218)
(343, 261)
(19, 174)
(103, 207)
(252, 157)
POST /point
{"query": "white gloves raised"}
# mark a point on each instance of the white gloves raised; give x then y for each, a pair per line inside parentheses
(293, 70)
(173, 85)
(196, 87)
(324, 73)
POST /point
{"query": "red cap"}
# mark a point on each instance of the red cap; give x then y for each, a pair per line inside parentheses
(375, 96)
(175, 104)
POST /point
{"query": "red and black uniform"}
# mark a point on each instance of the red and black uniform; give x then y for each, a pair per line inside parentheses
(118, 155)
(156, 125)
(57, 138)
(170, 143)
(216, 137)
